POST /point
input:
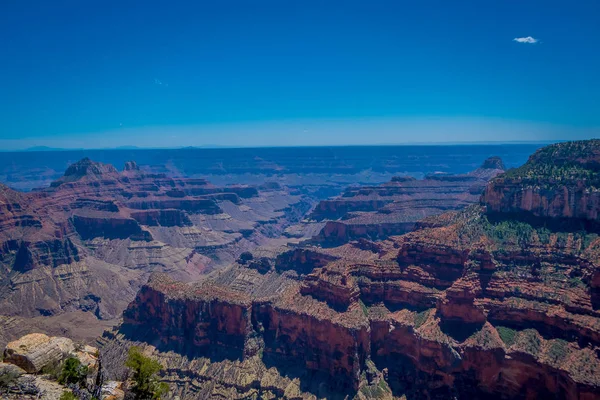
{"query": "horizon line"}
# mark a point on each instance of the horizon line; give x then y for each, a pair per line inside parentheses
(47, 149)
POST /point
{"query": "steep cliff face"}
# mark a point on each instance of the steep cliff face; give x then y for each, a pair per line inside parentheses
(164, 217)
(322, 345)
(107, 226)
(209, 319)
(193, 320)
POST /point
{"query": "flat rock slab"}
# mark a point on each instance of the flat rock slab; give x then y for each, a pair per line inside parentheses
(35, 351)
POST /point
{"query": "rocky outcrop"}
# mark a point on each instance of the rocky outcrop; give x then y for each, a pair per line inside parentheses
(493, 163)
(31, 365)
(86, 169)
(131, 166)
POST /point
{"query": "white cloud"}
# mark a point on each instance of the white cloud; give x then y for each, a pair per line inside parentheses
(527, 39)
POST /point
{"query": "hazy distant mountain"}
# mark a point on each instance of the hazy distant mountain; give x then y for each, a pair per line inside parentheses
(44, 148)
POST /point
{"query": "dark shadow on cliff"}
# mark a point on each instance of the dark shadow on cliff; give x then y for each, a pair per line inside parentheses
(394, 307)
(215, 353)
(459, 329)
(484, 279)
(595, 298)
(553, 224)
(406, 381)
(318, 383)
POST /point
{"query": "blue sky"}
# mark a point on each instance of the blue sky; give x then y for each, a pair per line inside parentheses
(105, 73)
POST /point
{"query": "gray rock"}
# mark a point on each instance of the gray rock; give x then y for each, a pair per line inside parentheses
(36, 351)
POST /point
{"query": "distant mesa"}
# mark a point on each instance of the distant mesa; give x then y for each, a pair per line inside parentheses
(85, 168)
(403, 178)
(43, 148)
(493, 163)
(377, 212)
(131, 166)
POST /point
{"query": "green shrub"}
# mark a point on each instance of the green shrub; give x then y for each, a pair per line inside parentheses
(68, 396)
(558, 350)
(72, 372)
(507, 335)
(145, 370)
(531, 341)
(8, 378)
(364, 308)
(420, 318)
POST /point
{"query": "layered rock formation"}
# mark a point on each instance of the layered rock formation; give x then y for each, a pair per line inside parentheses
(377, 212)
(91, 239)
(476, 303)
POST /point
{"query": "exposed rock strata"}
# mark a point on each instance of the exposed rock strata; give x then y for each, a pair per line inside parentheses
(35, 351)
(377, 212)
(89, 241)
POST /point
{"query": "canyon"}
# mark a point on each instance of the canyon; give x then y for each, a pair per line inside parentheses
(85, 244)
(498, 300)
(480, 284)
(393, 208)
(74, 253)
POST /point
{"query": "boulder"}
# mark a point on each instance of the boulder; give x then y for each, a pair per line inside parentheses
(87, 355)
(111, 390)
(35, 351)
